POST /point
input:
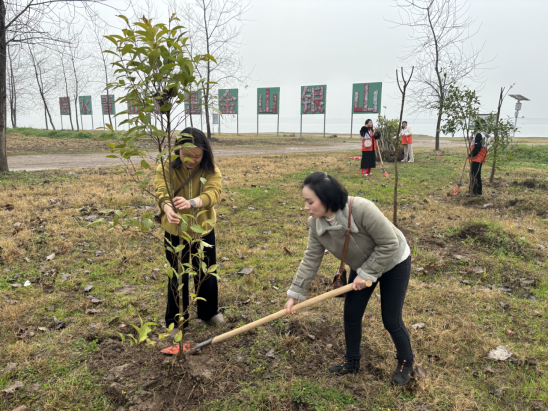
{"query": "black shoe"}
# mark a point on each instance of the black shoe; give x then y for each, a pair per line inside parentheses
(349, 366)
(403, 373)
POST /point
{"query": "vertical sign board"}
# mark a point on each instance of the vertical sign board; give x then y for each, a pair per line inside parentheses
(313, 101)
(268, 102)
(215, 118)
(193, 106)
(366, 99)
(228, 104)
(133, 108)
(107, 106)
(64, 108)
(85, 108)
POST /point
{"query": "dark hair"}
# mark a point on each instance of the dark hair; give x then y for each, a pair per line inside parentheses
(330, 192)
(368, 121)
(404, 121)
(199, 139)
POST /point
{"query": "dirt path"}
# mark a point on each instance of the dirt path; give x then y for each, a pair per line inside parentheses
(75, 161)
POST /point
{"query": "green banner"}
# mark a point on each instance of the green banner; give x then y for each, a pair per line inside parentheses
(85, 105)
(107, 104)
(366, 97)
(228, 101)
(313, 99)
(192, 103)
(268, 100)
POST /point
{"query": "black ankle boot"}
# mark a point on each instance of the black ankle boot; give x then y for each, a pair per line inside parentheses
(348, 366)
(403, 373)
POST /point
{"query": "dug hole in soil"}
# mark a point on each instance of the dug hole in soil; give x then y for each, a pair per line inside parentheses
(142, 378)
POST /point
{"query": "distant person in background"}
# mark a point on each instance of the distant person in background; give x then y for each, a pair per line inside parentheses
(407, 143)
(369, 147)
(479, 153)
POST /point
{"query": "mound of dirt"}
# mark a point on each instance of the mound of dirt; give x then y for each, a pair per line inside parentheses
(474, 231)
(141, 378)
(531, 184)
(390, 156)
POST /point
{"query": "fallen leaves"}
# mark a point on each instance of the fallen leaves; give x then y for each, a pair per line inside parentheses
(420, 372)
(419, 325)
(501, 353)
(245, 271)
(10, 367)
(88, 288)
(478, 270)
(49, 258)
(271, 354)
(430, 269)
(48, 288)
(287, 251)
(509, 332)
(24, 334)
(92, 311)
(12, 388)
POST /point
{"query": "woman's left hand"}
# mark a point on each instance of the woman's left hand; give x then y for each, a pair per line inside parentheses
(181, 203)
(359, 283)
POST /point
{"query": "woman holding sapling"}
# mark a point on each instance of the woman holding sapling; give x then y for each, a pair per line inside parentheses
(377, 252)
(192, 192)
(369, 147)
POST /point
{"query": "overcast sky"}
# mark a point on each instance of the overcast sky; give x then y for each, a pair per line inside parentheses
(289, 44)
(294, 43)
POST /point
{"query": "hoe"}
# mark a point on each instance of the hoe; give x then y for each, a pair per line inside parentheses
(277, 315)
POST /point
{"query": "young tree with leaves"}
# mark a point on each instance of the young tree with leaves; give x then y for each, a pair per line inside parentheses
(153, 72)
(460, 109)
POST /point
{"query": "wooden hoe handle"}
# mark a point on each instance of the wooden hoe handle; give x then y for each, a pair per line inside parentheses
(277, 315)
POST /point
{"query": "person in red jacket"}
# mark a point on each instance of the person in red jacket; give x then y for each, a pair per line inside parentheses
(479, 153)
(407, 143)
(369, 147)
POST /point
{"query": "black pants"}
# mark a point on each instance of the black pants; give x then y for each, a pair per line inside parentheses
(207, 290)
(393, 285)
(476, 182)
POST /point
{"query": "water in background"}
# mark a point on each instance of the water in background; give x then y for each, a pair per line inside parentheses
(314, 124)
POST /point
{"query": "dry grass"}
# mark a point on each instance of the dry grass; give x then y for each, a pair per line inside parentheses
(463, 322)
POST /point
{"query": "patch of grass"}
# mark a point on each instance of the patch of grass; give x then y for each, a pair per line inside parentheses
(463, 322)
(536, 154)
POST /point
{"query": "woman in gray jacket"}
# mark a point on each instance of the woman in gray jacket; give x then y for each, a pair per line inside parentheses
(377, 251)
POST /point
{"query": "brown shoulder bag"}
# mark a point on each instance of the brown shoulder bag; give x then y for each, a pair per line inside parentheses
(340, 278)
(159, 213)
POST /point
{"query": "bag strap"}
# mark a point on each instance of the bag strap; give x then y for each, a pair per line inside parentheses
(185, 182)
(347, 233)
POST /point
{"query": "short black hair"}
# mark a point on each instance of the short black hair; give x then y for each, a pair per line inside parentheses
(404, 121)
(199, 139)
(330, 192)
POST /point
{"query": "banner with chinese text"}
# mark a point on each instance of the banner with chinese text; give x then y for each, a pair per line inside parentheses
(192, 103)
(366, 97)
(85, 105)
(107, 104)
(313, 99)
(133, 108)
(268, 100)
(65, 106)
(228, 101)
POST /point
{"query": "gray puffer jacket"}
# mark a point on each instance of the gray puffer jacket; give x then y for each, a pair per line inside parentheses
(375, 245)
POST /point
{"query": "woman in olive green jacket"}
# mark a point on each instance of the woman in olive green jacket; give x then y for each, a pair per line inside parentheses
(197, 163)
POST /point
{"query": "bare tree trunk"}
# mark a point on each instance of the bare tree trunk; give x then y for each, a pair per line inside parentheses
(76, 113)
(397, 144)
(3, 49)
(496, 137)
(208, 71)
(437, 136)
(12, 93)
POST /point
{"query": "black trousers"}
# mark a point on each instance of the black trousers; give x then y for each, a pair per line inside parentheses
(476, 181)
(206, 289)
(393, 285)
